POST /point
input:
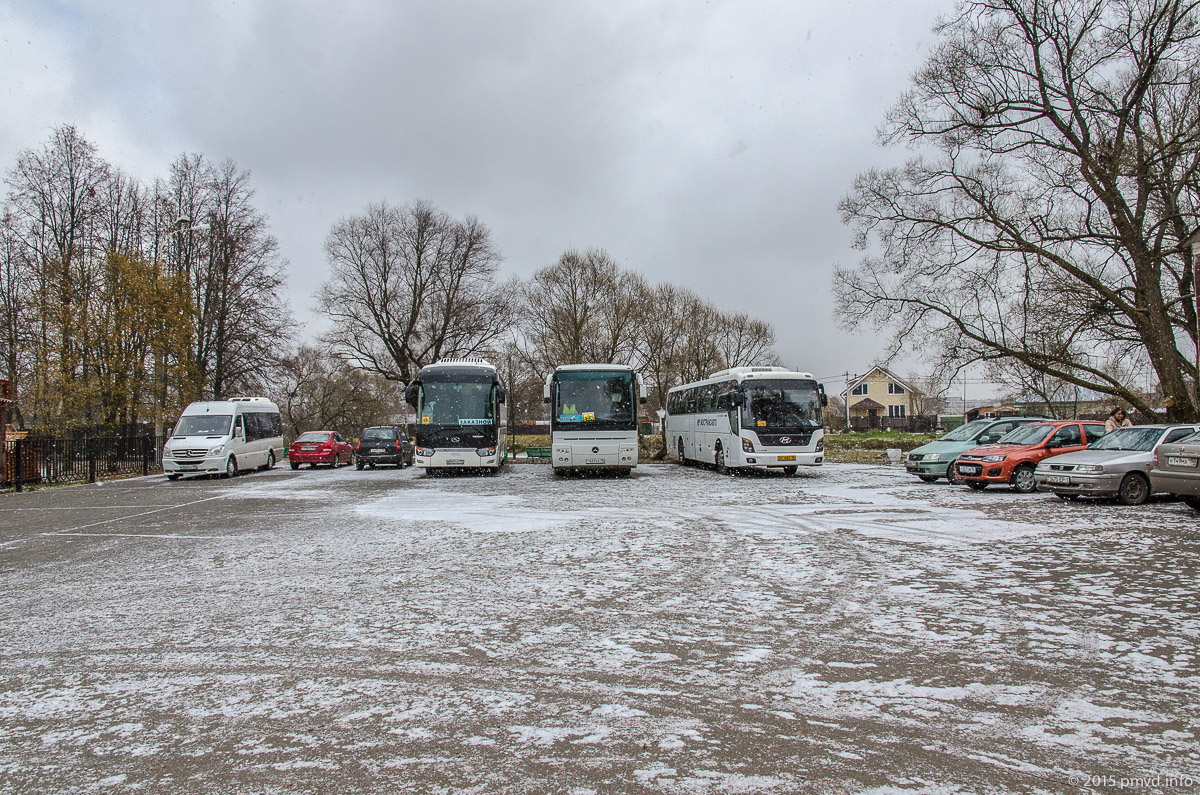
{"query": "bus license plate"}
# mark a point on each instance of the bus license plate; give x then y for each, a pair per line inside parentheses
(1057, 479)
(787, 458)
(594, 461)
(1177, 461)
(453, 461)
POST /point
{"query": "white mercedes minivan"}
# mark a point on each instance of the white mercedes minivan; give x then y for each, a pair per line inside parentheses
(221, 437)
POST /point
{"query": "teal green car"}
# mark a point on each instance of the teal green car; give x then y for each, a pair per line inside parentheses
(936, 459)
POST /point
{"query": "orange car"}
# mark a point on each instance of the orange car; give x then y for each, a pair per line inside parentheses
(1012, 459)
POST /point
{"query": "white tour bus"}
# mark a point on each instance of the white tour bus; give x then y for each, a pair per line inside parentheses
(753, 417)
(220, 437)
(593, 416)
(459, 423)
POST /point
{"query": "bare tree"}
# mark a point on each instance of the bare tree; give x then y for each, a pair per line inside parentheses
(584, 308)
(315, 390)
(410, 285)
(1046, 226)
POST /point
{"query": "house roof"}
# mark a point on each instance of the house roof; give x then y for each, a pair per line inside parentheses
(877, 368)
(867, 403)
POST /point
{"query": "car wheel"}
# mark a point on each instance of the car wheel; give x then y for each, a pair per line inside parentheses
(230, 467)
(928, 478)
(172, 477)
(1022, 479)
(1134, 490)
(359, 464)
(952, 475)
(1192, 502)
(722, 469)
(978, 485)
(270, 460)
(789, 470)
(295, 464)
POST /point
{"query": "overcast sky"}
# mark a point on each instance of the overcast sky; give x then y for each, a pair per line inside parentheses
(702, 143)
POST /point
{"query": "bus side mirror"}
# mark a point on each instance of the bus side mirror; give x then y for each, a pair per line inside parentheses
(641, 392)
(500, 394)
(410, 394)
(824, 397)
(737, 399)
(546, 393)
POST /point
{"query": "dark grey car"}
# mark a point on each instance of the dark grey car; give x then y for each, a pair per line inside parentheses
(383, 444)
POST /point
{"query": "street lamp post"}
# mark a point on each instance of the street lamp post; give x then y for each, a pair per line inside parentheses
(1193, 243)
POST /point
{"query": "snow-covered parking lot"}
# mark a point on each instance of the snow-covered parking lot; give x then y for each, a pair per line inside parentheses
(850, 629)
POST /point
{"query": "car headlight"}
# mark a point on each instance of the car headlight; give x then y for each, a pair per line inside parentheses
(1089, 468)
(993, 458)
(747, 446)
(932, 457)
(216, 450)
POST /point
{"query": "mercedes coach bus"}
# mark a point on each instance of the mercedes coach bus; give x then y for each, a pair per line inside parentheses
(593, 417)
(748, 417)
(458, 423)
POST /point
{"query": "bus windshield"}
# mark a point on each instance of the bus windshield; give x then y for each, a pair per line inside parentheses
(457, 404)
(204, 425)
(781, 404)
(601, 397)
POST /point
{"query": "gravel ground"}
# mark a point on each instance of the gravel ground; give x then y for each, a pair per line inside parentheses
(850, 629)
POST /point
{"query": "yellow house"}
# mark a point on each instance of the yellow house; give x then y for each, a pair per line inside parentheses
(879, 393)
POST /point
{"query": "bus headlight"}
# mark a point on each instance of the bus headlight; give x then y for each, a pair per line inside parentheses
(484, 452)
(425, 452)
(747, 446)
(820, 444)
(216, 450)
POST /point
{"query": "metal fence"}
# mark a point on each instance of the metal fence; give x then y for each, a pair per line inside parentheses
(48, 461)
(917, 424)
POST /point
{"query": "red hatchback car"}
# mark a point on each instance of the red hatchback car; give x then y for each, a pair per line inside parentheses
(1011, 460)
(320, 447)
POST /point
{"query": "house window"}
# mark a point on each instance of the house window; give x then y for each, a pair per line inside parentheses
(895, 389)
(897, 411)
(861, 389)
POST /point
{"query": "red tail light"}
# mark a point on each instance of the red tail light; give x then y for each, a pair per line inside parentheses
(397, 444)
(358, 445)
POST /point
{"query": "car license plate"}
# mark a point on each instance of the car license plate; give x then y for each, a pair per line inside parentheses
(1179, 461)
(787, 458)
(377, 450)
(309, 447)
(453, 461)
(594, 461)
(969, 469)
(1057, 479)
(188, 466)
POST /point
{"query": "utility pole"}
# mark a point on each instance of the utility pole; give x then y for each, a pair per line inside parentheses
(1194, 243)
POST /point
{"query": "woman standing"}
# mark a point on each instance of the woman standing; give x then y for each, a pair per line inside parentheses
(1117, 419)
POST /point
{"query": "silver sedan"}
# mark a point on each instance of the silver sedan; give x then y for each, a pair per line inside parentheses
(1117, 465)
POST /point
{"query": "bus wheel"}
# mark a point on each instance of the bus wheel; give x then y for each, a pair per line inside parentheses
(789, 470)
(721, 467)
(270, 460)
(682, 458)
(230, 467)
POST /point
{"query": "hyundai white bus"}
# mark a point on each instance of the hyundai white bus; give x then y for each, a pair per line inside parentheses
(748, 418)
(221, 437)
(593, 417)
(458, 422)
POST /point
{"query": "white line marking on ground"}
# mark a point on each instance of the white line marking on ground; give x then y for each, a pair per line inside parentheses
(71, 530)
(125, 535)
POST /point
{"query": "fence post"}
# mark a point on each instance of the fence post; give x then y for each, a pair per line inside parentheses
(145, 456)
(91, 451)
(18, 463)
